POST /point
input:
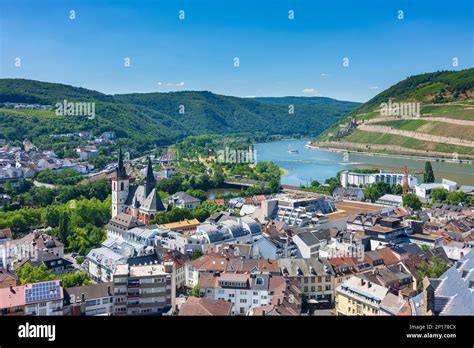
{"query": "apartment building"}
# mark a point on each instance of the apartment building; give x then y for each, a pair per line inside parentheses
(355, 179)
(244, 291)
(357, 296)
(297, 210)
(313, 278)
(148, 289)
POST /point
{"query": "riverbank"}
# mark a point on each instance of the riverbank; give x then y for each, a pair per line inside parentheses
(386, 155)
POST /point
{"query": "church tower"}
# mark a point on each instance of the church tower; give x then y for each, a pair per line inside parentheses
(150, 180)
(120, 187)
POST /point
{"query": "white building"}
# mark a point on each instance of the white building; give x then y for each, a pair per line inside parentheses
(183, 200)
(244, 291)
(392, 200)
(309, 243)
(424, 190)
(388, 177)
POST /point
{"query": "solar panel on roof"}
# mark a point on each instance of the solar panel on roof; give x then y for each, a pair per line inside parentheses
(42, 292)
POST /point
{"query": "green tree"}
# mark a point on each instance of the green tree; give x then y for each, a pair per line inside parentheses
(397, 189)
(439, 195)
(30, 274)
(195, 291)
(200, 194)
(218, 176)
(456, 197)
(63, 228)
(425, 248)
(274, 186)
(201, 214)
(371, 193)
(197, 254)
(470, 201)
(432, 269)
(315, 183)
(333, 183)
(428, 175)
(8, 187)
(412, 201)
(170, 185)
(69, 280)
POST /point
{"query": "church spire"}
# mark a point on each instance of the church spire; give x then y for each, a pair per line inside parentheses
(150, 178)
(120, 170)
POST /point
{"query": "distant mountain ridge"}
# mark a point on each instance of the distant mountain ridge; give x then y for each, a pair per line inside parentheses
(161, 118)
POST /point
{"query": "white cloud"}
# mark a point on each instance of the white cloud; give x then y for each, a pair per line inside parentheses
(311, 91)
(325, 75)
(374, 87)
(160, 83)
(180, 84)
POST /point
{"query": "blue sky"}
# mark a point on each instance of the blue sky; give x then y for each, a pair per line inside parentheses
(278, 56)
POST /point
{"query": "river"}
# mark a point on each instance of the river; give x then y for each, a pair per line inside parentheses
(320, 165)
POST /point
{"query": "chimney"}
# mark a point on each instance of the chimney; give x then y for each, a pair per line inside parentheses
(263, 313)
(369, 284)
(108, 290)
(83, 297)
(278, 302)
(12, 290)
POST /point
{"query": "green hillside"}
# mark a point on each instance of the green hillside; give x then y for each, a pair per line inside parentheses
(155, 118)
(445, 123)
(438, 87)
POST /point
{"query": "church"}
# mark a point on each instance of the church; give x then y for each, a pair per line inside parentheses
(140, 201)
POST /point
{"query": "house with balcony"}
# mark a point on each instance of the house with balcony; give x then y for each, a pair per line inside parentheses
(89, 300)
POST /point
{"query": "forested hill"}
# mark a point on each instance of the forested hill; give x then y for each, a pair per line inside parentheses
(160, 118)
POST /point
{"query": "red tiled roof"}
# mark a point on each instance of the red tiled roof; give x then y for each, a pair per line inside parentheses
(389, 257)
(220, 201)
(210, 263)
(340, 260)
(203, 306)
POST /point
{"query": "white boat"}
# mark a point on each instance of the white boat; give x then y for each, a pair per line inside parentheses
(291, 150)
